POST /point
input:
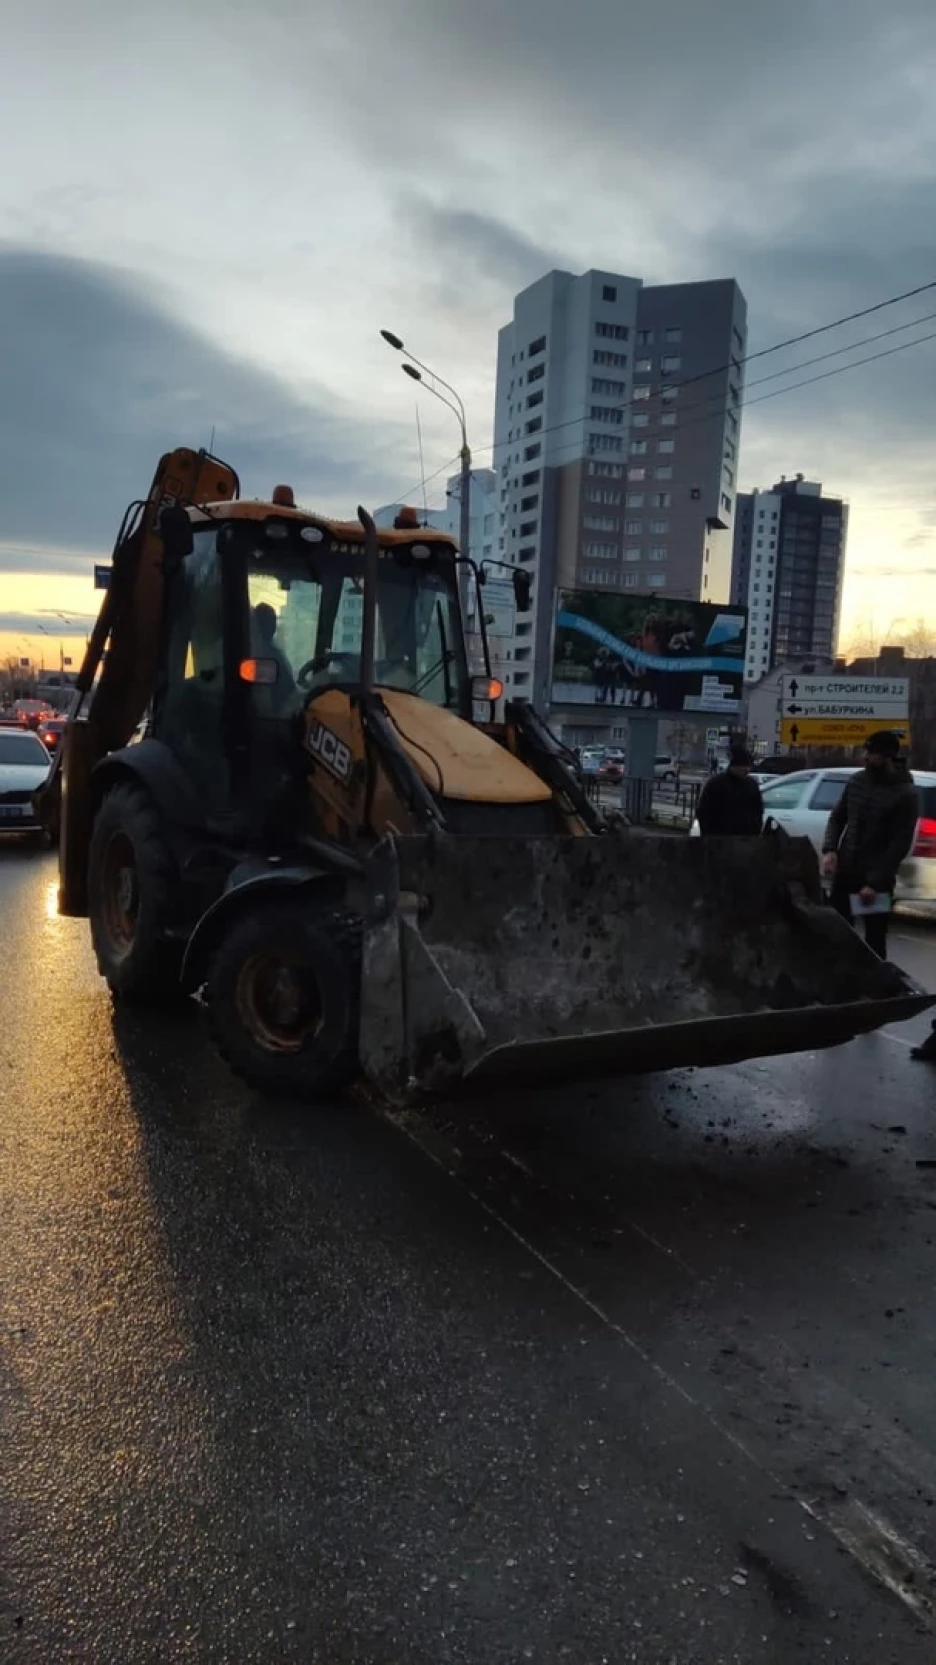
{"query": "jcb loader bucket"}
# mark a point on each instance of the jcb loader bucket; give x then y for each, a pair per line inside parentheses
(541, 960)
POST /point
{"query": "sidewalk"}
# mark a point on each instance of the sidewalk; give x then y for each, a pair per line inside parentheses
(670, 815)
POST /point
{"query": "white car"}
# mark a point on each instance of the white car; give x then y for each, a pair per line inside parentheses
(801, 804)
(589, 761)
(24, 765)
(664, 768)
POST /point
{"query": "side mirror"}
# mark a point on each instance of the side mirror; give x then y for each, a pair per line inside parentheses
(176, 532)
(522, 584)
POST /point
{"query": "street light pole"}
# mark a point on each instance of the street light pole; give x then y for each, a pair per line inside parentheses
(418, 371)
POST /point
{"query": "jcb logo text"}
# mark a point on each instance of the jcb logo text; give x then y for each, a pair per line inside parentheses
(331, 751)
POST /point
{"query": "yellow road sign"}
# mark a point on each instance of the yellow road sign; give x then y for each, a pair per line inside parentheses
(837, 731)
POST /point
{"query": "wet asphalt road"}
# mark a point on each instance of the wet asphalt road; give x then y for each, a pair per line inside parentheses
(642, 1373)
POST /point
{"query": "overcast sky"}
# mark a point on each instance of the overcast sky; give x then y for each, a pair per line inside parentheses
(207, 213)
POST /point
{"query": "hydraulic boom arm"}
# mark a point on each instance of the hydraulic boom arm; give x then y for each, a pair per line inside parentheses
(118, 672)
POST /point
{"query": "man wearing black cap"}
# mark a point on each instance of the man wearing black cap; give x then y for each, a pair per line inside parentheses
(870, 831)
(731, 802)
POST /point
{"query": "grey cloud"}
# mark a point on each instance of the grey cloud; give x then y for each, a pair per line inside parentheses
(99, 381)
(795, 153)
(478, 246)
(712, 142)
(40, 624)
(20, 556)
(470, 265)
(849, 244)
(810, 181)
(718, 87)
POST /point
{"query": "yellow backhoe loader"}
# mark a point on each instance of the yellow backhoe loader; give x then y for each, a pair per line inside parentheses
(325, 833)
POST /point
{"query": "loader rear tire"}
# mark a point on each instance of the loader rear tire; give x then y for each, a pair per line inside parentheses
(283, 998)
(133, 884)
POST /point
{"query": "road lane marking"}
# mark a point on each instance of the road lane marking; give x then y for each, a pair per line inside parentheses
(410, 1127)
(871, 1541)
(879, 1548)
(898, 1038)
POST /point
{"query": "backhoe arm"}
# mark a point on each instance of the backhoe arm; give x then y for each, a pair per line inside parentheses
(119, 669)
(125, 641)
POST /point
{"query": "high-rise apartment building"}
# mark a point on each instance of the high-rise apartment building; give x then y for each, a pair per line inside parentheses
(616, 433)
(788, 566)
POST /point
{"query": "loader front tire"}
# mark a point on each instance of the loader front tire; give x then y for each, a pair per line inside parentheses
(132, 887)
(283, 998)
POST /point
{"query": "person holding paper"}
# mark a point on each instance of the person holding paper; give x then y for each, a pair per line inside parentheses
(870, 831)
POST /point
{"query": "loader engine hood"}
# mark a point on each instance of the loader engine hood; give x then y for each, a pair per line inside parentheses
(458, 762)
(479, 786)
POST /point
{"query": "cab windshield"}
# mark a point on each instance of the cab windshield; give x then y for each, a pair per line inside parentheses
(306, 611)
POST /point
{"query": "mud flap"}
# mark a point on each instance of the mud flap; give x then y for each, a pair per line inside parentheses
(556, 959)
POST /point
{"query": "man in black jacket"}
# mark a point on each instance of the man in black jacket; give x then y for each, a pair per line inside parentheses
(731, 802)
(870, 831)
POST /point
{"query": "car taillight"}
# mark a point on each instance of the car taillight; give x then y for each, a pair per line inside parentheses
(925, 842)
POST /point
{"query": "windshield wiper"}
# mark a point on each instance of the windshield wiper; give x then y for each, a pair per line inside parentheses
(442, 664)
(446, 679)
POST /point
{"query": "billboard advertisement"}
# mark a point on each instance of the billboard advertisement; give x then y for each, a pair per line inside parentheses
(647, 653)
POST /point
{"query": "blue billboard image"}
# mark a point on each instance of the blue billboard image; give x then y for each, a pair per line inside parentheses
(645, 653)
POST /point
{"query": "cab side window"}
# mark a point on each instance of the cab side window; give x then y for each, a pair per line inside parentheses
(190, 711)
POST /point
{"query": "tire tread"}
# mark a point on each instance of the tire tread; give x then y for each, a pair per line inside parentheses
(152, 974)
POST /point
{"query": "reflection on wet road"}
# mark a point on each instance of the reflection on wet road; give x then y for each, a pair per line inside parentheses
(633, 1373)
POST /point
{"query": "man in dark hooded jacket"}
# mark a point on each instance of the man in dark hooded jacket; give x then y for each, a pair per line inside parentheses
(731, 802)
(870, 831)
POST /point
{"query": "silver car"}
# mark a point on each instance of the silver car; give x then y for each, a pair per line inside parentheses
(24, 765)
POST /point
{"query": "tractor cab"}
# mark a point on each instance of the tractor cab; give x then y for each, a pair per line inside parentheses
(265, 612)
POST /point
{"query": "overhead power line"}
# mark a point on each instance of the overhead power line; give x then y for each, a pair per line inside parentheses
(807, 381)
(805, 364)
(446, 468)
(826, 375)
(749, 358)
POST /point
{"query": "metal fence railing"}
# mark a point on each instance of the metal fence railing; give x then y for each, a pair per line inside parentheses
(674, 802)
(637, 799)
(685, 799)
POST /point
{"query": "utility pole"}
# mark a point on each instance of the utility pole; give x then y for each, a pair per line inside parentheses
(464, 518)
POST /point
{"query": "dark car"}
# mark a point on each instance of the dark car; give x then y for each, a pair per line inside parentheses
(50, 732)
(30, 713)
(611, 768)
